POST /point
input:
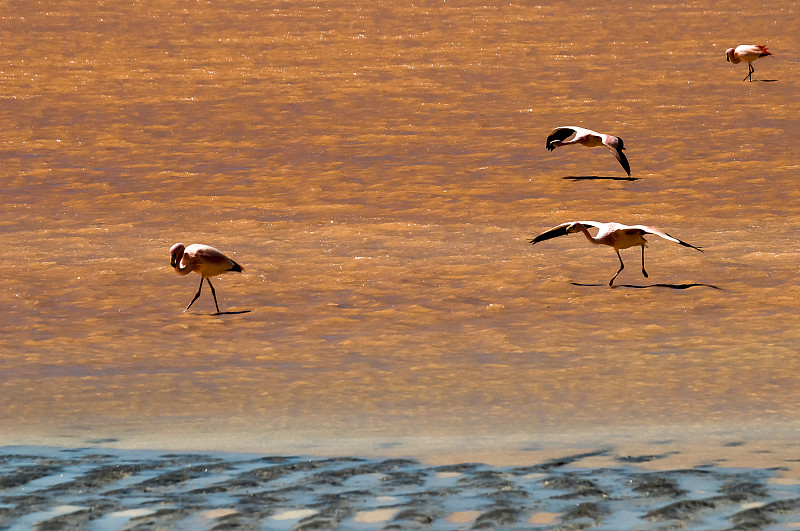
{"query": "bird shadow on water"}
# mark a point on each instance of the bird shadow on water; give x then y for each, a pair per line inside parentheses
(232, 313)
(597, 178)
(766, 80)
(659, 285)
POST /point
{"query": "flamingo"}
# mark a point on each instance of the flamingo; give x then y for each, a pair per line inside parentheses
(202, 259)
(587, 137)
(746, 52)
(614, 235)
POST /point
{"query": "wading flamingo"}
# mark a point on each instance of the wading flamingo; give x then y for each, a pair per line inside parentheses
(746, 52)
(202, 259)
(614, 235)
(587, 137)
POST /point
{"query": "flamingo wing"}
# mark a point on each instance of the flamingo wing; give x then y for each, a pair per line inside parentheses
(211, 261)
(620, 156)
(763, 50)
(559, 134)
(207, 253)
(561, 230)
(752, 50)
(662, 234)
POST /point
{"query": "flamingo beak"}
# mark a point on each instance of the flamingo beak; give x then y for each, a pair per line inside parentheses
(173, 261)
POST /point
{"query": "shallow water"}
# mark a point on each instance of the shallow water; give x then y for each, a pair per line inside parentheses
(377, 169)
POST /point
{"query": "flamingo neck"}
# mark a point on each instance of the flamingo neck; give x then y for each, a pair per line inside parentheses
(180, 267)
(589, 237)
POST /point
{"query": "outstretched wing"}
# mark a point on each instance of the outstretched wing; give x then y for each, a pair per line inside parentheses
(561, 230)
(555, 232)
(620, 156)
(657, 232)
(559, 133)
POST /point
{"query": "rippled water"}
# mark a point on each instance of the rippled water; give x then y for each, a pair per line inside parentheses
(377, 168)
(102, 489)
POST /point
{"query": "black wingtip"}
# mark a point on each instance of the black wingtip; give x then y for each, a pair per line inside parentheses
(696, 247)
(562, 133)
(623, 160)
(681, 242)
(236, 267)
(692, 246)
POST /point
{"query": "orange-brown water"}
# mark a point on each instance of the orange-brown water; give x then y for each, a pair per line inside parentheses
(377, 167)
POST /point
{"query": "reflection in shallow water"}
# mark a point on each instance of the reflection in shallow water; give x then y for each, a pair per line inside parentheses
(377, 169)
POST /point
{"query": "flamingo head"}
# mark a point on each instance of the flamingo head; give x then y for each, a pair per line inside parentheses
(729, 54)
(574, 227)
(176, 253)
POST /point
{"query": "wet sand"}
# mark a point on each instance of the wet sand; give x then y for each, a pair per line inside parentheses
(100, 488)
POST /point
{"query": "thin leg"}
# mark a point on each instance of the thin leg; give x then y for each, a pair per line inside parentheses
(750, 71)
(213, 293)
(621, 267)
(196, 295)
(643, 271)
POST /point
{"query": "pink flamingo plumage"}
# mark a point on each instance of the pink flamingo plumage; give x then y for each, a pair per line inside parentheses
(586, 137)
(202, 259)
(748, 53)
(614, 235)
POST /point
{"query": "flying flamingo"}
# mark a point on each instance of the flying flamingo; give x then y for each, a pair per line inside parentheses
(746, 52)
(587, 137)
(202, 259)
(614, 235)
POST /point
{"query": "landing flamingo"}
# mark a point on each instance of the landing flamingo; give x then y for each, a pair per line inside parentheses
(587, 137)
(746, 52)
(614, 235)
(202, 259)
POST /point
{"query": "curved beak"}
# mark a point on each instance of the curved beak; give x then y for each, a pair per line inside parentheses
(173, 261)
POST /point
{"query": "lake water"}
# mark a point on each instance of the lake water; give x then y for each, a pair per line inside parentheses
(377, 169)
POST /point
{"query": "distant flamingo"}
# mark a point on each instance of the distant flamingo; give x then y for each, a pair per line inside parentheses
(614, 235)
(749, 53)
(587, 137)
(202, 259)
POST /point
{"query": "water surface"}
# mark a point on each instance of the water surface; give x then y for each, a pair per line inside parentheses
(377, 168)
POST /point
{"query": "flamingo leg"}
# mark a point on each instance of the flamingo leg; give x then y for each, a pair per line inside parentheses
(213, 293)
(621, 267)
(750, 72)
(643, 271)
(196, 295)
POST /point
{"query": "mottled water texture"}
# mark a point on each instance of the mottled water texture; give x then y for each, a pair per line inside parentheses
(50, 488)
(377, 168)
